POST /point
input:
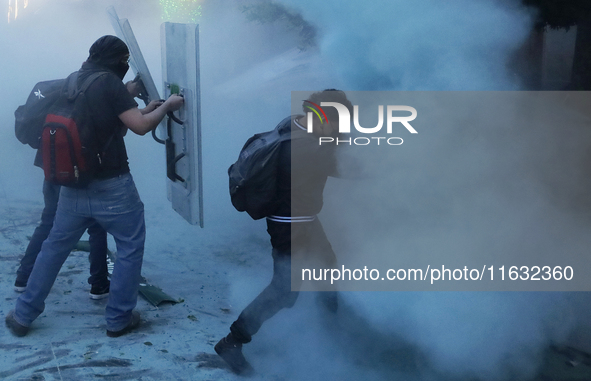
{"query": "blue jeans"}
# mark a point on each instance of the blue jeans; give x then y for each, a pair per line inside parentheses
(116, 206)
(285, 238)
(97, 239)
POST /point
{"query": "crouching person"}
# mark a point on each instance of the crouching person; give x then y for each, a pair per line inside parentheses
(303, 168)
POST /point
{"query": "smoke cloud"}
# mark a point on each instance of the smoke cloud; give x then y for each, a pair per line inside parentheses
(426, 45)
(248, 72)
(476, 186)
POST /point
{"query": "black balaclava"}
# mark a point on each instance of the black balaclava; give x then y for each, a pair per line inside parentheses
(110, 52)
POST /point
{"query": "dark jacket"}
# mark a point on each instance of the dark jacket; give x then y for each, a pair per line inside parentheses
(304, 166)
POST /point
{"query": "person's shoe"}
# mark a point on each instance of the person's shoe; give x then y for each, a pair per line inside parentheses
(97, 293)
(133, 324)
(16, 328)
(230, 351)
(20, 286)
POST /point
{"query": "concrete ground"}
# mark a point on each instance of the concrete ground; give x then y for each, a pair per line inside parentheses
(209, 273)
(212, 278)
(68, 341)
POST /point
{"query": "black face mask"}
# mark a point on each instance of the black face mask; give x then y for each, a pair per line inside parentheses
(110, 52)
(121, 69)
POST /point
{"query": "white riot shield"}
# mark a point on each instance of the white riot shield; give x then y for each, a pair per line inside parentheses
(138, 65)
(180, 72)
(182, 129)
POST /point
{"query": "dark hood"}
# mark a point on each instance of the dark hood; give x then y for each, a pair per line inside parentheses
(108, 52)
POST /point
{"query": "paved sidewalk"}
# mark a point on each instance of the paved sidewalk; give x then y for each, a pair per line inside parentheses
(214, 277)
(68, 341)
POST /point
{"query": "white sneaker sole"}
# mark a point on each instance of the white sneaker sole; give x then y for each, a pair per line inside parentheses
(98, 297)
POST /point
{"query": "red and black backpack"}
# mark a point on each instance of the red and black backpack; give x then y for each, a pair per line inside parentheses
(69, 143)
(57, 120)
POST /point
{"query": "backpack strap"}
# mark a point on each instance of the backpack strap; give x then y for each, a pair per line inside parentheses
(72, 83)
(73, 91)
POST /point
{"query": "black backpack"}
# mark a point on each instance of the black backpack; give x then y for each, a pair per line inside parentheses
(30, 117)
(253, 178)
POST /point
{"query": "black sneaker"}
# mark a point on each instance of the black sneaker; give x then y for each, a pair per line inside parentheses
(20, 286)
(16, 328)
(231, 352)
(134, 323)
(98, 293)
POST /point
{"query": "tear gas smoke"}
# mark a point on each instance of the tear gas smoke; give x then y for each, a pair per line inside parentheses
(248, 71)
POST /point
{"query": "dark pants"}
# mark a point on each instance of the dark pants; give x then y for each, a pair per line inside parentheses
(301, 237)
(97, 241)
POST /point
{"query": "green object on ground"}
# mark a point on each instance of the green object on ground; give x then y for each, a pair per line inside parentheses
(82, 246)
(154, 295)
